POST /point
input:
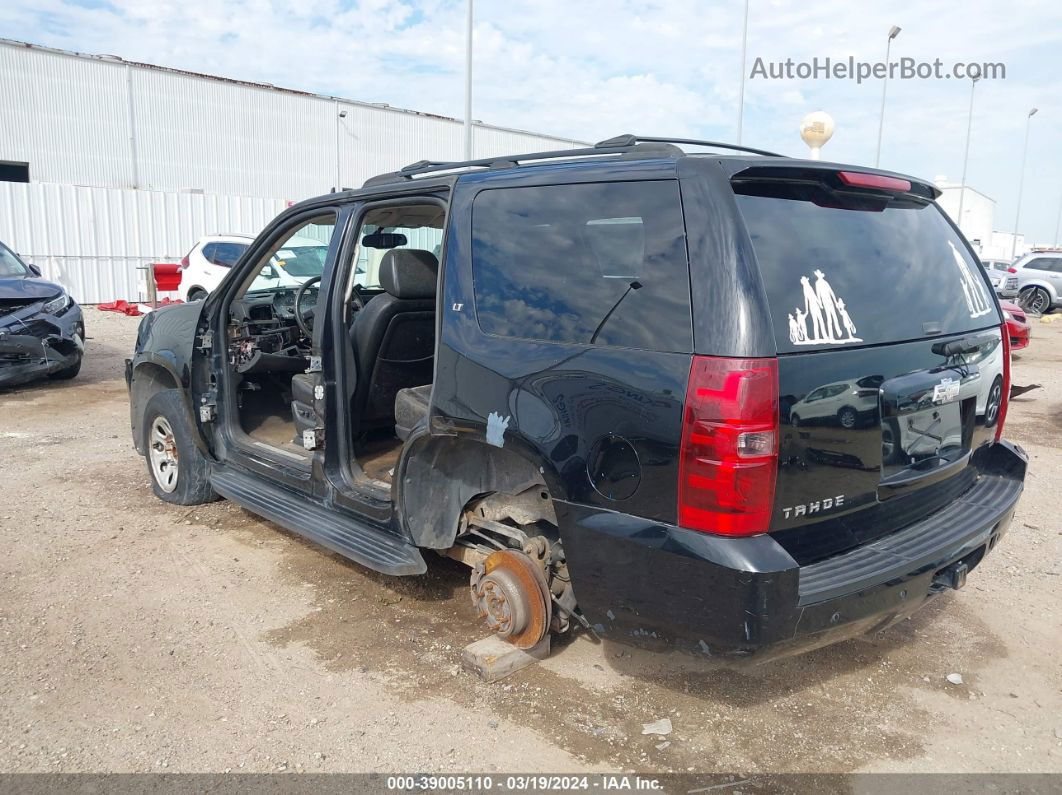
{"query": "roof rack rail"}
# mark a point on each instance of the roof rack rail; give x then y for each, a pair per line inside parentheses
(646, 147)
(636, 145)
(632, 140)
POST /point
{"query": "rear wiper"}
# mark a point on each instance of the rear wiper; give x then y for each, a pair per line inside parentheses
(956, 347)
(634, 285)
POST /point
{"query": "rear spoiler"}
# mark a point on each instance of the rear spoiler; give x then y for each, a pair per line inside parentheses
(839, 177)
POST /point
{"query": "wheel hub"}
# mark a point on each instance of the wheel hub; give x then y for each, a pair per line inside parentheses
(510, 591)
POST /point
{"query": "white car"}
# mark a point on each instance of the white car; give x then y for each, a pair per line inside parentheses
(203, 268)
(844, 403)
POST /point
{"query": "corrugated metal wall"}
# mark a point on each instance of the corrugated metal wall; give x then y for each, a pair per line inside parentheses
(150, 142)
(88, 120)
(93, 240)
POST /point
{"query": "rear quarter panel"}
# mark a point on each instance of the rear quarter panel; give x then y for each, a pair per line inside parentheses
(553, 401)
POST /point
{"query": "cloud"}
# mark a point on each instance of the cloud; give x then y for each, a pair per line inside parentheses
(594, 69)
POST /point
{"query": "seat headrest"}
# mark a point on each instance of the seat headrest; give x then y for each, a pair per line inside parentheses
(409, 273)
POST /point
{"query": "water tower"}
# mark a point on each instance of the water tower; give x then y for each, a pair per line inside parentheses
(816, 129)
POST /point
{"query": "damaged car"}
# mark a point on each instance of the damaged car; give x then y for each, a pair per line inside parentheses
(42, 330)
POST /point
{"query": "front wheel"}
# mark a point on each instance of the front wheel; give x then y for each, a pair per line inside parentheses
(67, 372)
(179, 472)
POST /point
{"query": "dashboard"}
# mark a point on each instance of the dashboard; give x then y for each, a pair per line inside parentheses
(263, 335)
(284, 304)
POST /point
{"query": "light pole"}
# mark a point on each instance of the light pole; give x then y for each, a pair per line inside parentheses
(966, 154)
(894, 31)
(468, 81)
(1058, 223)
(741, 85)
(340, 114)
(1021, 184)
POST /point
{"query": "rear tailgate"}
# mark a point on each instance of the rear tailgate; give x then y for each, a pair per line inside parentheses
(890, 354)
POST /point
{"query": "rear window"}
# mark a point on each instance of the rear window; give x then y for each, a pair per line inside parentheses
(600, 264)
(224, 254)
(840, 270)
(1052, 264)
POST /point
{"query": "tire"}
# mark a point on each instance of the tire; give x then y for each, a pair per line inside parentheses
(179, 472)
(794, 420)
(67, 372)
(196, 294)
(993, 402)
(848, 417)
(1035, 300)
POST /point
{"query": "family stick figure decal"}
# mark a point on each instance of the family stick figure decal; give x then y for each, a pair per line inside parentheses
(973, 288)
(830, 322)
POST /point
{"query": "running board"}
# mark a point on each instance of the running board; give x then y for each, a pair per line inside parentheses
(361, 542)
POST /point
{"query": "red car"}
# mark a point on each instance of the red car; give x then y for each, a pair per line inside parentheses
(1017, 325)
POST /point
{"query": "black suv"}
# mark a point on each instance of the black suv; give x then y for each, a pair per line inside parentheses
(589, 375)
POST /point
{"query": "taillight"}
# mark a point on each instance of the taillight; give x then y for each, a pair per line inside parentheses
(729, 457)
(859, 179)
(1004, 399)
(1012, 270)
(183, 264)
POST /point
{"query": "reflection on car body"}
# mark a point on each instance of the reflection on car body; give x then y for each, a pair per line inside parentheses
(846, 403)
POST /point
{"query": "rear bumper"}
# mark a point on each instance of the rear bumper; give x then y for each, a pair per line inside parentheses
(647, 583)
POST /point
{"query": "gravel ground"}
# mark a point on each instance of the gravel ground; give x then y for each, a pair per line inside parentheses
(139, 636)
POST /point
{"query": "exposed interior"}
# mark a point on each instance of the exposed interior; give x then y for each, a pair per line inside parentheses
(390, 314)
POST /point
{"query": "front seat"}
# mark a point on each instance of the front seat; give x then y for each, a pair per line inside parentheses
(394, 336)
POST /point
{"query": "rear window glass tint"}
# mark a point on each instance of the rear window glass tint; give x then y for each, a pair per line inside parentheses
(601, 263)
(1052, 264)
(837, 275)
(224, 254)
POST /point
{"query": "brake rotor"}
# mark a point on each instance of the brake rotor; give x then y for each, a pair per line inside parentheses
(510, 591)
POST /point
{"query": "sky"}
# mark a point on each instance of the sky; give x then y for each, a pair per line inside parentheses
(591, 70)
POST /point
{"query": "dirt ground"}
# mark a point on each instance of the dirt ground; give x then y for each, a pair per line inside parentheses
(139, 636)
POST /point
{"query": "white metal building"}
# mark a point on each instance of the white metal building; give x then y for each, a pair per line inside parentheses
(108, 165)
(978, 221)
(978, 212)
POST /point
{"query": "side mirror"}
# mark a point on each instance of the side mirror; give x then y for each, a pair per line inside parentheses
(34, 269)
(271, 272)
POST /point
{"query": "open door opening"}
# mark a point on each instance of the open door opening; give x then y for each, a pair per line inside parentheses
(391, 312)
(269, 330)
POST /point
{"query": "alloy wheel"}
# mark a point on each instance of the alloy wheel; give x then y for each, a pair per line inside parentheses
(163, 454)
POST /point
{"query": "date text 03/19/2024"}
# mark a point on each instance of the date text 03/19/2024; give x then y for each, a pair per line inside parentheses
(523, 783)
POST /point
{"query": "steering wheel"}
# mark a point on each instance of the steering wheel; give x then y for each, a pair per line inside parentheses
(305, 319)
